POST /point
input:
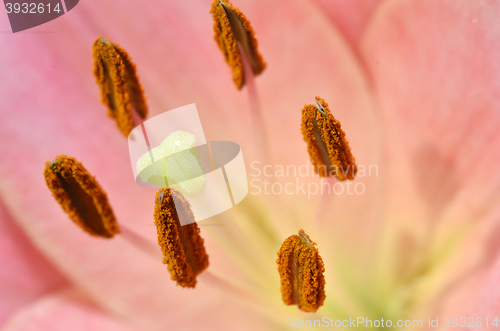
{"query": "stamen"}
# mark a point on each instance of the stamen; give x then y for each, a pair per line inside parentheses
(81, 197)
(182, 246)
(231, 28)
(301, 271)
(120, 89)
(329, 150)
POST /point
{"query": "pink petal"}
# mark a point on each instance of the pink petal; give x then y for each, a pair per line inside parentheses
(307, 57)
(434, 67)
(351, 17)
(25, 274)
(435, 72)
(178, 63)
(63, 311)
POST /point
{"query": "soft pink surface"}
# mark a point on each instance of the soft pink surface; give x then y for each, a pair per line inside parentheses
(421, 101)
(350, 17)
(67, 310)
(25, 275)
(437, 80)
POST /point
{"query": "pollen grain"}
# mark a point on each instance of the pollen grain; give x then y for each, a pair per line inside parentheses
(119, 84)
(182, 246)
(326, 143)
(231, 28)
(301, 272)
(80, 196)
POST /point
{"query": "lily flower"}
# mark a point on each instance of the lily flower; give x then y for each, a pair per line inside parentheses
(415, 85)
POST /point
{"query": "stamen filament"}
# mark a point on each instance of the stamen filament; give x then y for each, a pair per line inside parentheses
(150, 248)
(260, 134)
(207, 277)
(324, 200)
(141, 243)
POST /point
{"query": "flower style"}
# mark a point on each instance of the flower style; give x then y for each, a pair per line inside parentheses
(414, 83)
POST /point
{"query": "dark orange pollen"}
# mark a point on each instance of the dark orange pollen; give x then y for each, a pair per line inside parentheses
(231, 28)
(81, 197)
(116, 76)
(301, 272)
(182, 246)
(326, 143)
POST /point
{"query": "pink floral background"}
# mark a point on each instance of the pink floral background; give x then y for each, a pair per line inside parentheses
(415, 84)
